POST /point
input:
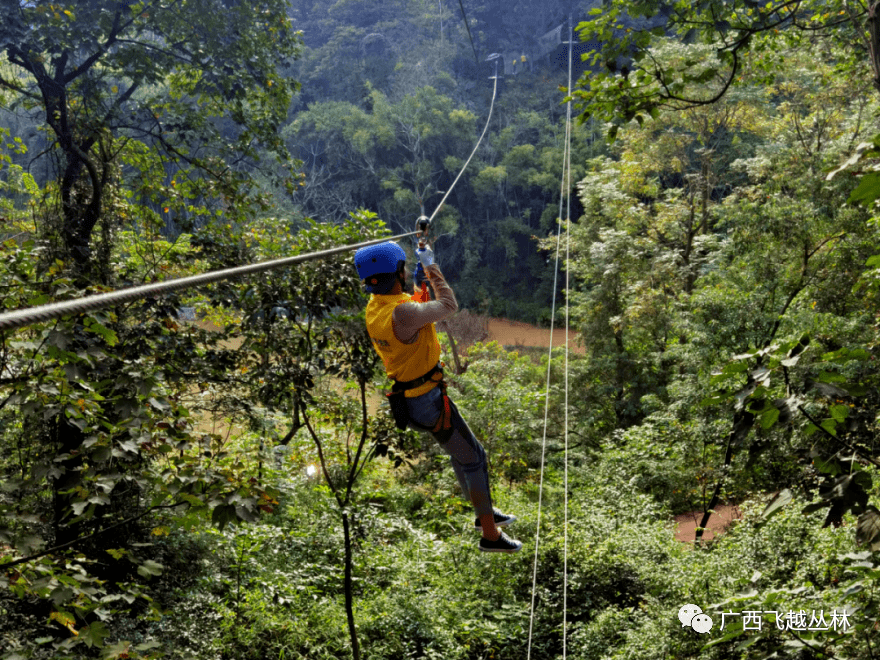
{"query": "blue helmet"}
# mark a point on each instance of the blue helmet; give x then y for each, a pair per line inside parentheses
(377, 260)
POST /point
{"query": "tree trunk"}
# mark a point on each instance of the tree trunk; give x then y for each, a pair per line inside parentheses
(349, 596)
(454, 348)
(80, 215)
(70, 439)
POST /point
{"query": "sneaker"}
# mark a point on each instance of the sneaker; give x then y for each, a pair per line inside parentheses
(503, 544)
(501, 520)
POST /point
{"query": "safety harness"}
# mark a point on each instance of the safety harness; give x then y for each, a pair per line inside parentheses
(397, 401)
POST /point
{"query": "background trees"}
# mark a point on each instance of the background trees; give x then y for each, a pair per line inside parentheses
(206, 94)
(212, 473)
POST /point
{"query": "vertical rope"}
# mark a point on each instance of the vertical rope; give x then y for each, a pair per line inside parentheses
(544, 440)
(567, 279)
(565, 186)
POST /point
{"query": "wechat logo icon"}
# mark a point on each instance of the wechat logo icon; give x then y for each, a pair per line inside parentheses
(691, 616)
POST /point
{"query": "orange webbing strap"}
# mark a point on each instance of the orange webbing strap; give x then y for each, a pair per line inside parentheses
(421, 296)
(444, 423)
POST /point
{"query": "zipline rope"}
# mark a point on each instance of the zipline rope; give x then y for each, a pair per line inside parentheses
(467, 25)
(23, 317)
(564, 193)
(28, 316)
(476, 146)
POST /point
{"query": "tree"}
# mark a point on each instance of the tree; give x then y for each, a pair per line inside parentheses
(681, 265)
(196, 79)
(406, 148)
(630, 80)
(304, 325)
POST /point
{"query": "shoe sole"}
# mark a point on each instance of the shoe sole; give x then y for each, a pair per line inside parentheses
(508, 550)
(503, 523)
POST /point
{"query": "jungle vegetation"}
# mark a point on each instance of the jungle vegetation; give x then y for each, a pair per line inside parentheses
(211, 474)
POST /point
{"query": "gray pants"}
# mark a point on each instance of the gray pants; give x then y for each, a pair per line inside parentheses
(465, 451)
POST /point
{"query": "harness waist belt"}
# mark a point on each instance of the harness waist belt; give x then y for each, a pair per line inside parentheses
(403, 386)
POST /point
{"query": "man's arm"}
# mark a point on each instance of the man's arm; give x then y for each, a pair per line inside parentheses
(409, 318)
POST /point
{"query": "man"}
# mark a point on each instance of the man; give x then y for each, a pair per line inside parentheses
(404, 336)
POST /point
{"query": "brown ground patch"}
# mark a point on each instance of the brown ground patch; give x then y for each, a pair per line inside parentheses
(515, 333)
(686, 523)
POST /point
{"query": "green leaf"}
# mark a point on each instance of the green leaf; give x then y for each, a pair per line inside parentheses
(783, 498)
(839, 412)
(223, 514)
(101, 330)
(147, 646)
(150, 568)
(116, 650)
(101, 454)
(856, 390)
(94, 634)
(830, 377)
(868, 528)
(769, 417)
(246, 514)
(830, 426)
(831, 466)
(854, 588)
(868, 190)
(736, 367)
(79, 507)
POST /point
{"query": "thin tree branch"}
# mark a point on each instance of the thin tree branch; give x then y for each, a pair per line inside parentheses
(842, 443)
(64, 546)
(19, 89)
(320, 447)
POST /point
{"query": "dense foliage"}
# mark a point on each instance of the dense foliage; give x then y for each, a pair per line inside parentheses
(213, 474)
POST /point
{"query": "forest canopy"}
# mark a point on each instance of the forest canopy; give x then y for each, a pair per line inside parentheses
(214, 473)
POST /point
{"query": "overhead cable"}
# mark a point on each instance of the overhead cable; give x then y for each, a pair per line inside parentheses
(22, 317)
(464, 16)
(477, 145)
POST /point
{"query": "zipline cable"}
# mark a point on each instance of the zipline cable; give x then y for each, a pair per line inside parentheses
(464, 16)
(476, 146)
(22, 317)
(565, 188)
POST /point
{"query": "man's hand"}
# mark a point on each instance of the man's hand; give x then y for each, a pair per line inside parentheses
(426, 256)
(419, 275)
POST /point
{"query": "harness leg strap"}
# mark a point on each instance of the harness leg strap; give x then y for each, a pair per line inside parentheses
(444, 423)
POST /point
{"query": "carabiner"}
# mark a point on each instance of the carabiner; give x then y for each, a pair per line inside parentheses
(423, 224)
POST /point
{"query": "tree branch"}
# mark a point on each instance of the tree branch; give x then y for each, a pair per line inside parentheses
(839, 441)
(19, 89)
(112, 38)
(64, 546)
(320, 447)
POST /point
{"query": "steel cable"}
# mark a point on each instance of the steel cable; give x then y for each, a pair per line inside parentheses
(22, 317)
(476, 146)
